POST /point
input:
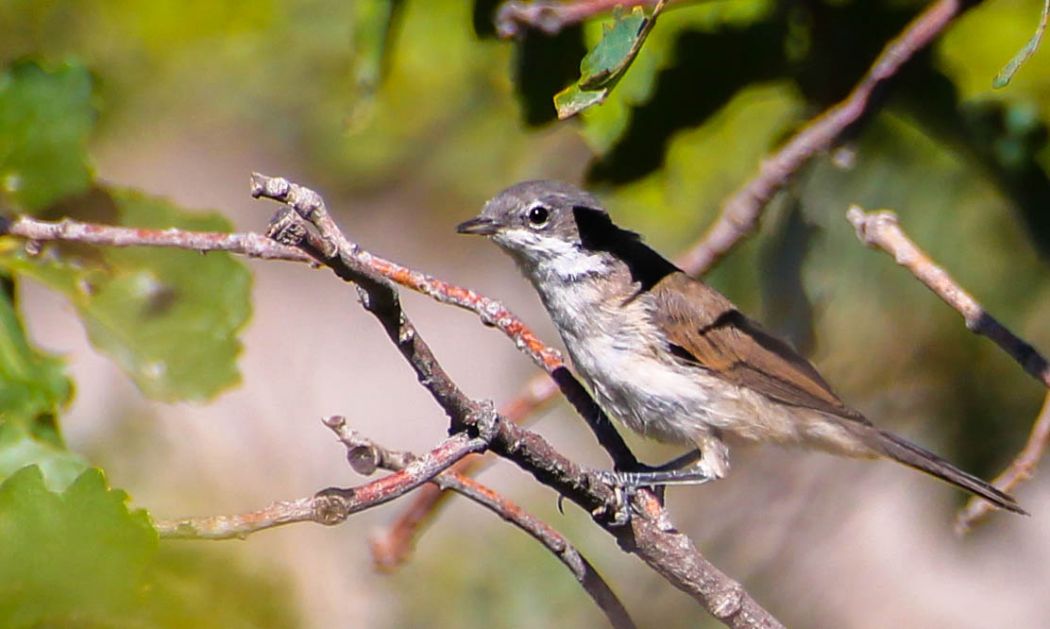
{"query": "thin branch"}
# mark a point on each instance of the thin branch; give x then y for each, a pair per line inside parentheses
(247, 244)
(512, 19)
(490, 311)
(740, 213)
(365, 456)
(393, 545)
(1020, 469)
(650, 536)
(329, 506)
(882, 230)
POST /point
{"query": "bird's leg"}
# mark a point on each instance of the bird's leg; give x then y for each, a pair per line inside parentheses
(710, 461)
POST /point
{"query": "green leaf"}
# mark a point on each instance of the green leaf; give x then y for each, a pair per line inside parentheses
(1002, 79)
(19, 448)
(168, 317)
(76, 557)
(603, 66)
(32, 384)
(45, 118)
(603, 126)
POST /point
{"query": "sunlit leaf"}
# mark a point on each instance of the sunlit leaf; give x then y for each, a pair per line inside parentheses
(77, 557)
(1003, 78)
(603, 66)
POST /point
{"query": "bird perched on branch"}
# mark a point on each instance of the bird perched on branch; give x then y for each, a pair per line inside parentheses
(671, 357)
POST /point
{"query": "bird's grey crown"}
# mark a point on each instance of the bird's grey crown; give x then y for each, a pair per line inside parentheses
(549, 192)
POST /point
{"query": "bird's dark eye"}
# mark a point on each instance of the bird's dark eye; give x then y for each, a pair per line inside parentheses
(538, 216)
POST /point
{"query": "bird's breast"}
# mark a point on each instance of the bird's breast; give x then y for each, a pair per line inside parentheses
(623, 357)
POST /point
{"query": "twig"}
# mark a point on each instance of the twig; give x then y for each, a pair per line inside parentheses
(392, 546)
(513, 18)
(650, 535)
(247, 244)
(882, 230)
(329, 506)
(1020, 469)
(740, 213)
(490, 311)
(365, 456)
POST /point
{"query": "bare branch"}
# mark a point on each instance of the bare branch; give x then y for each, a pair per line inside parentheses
(882, 230)
(365, 456)
(513, 18)
(392, 546)
(651, 536)
(329, 506)
(740, 213)
(1020, 469)
(248, 244)
(490, 311)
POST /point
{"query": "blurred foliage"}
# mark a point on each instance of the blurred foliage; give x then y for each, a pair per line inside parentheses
(45, 118)
(383, 95)
(81, 558)
(141, 306)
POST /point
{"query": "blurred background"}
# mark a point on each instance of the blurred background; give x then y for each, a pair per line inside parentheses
(407, 116)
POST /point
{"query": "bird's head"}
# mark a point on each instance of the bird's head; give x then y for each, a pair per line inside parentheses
(544, 226)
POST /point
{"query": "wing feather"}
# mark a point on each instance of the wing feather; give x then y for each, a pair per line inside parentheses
(705, 328)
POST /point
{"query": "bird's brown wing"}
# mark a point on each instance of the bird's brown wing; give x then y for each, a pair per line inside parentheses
(705, 328)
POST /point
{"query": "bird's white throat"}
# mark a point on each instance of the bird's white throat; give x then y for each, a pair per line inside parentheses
(543, 257)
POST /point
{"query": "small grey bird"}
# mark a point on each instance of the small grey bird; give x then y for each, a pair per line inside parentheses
(671, 357)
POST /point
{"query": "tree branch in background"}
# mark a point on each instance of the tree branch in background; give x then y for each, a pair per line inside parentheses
(882, 230)
(513, 18)
(365, 457)
(740, 213)
(1020, 469)
(650, 535)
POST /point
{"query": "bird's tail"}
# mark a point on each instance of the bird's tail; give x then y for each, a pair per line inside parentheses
(899, 449)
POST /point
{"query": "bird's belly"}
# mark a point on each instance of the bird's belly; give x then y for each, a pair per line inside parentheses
(658, 398)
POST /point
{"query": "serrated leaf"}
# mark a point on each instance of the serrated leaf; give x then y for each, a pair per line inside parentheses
(45, 118)
(19, 448)
(168, 317)
(78, 556)
(603, 66)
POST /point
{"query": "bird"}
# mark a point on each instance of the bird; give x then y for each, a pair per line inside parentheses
(672, 358)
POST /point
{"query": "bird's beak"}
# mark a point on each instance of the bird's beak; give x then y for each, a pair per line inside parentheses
(478, 225)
